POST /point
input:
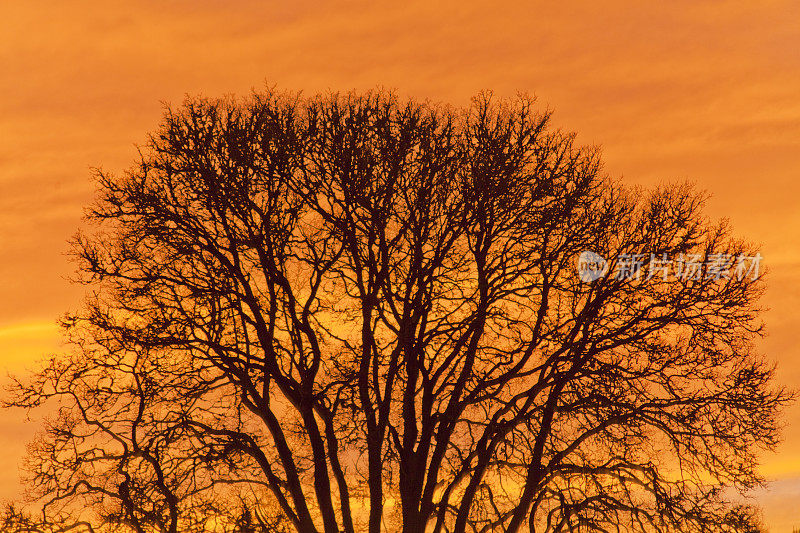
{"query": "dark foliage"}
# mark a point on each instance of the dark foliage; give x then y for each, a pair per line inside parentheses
(354, 313)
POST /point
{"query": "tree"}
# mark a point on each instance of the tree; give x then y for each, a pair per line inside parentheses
(356, 313)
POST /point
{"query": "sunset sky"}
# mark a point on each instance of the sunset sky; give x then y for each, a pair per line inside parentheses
(707, 91)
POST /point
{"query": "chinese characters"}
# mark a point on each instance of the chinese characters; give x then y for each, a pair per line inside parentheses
(716, 266)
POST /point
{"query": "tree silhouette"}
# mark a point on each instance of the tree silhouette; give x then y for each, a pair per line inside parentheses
(356, 313)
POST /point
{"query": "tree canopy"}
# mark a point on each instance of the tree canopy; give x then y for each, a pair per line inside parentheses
(362, 313)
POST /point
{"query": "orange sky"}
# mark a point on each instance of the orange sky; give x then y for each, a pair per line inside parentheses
(704, 90)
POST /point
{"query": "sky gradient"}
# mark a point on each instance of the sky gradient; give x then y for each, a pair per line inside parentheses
(701, 90)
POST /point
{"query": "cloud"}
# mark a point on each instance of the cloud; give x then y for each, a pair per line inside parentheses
(700, 90)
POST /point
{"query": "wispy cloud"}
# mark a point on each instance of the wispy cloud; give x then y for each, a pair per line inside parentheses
(686, 89)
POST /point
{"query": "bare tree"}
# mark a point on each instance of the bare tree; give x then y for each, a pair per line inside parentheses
(365, 314)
